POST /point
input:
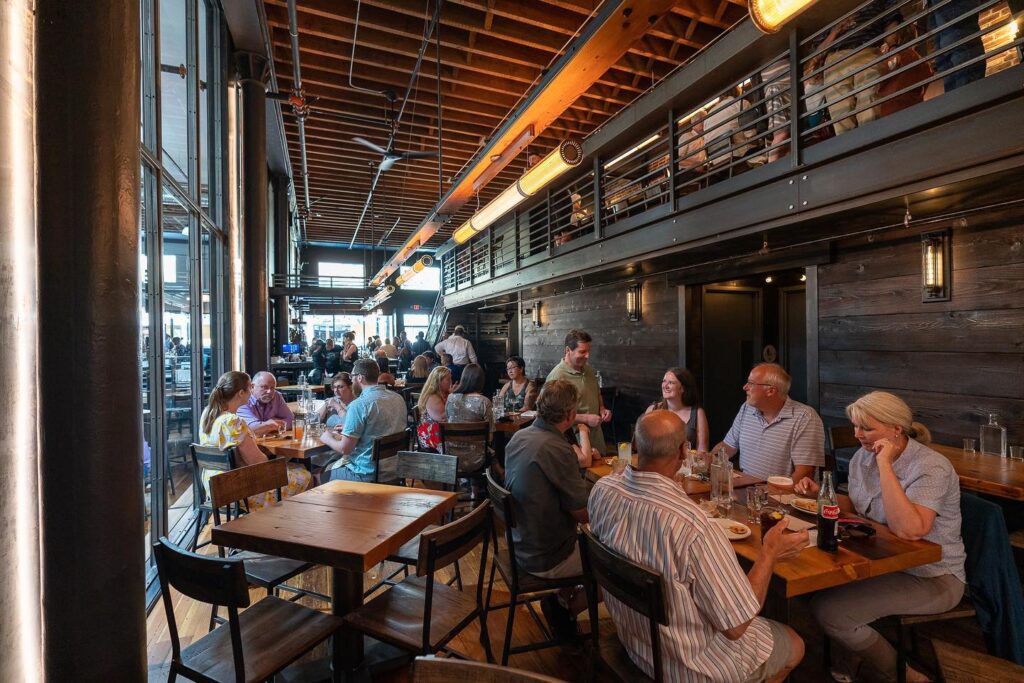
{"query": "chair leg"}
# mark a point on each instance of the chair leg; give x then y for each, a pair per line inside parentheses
(826, 653)
(200, 525)
(213, 617)
(490, 585)
(458, 575)
(508, 630)
(901, 654)
(485, 636)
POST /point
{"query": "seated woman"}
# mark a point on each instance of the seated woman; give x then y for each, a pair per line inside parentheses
(679, 394)
(221, 427)
(332, 412)
(519, 394)
(468, 404)
(431, 404)
(418, 373)
(895, 479)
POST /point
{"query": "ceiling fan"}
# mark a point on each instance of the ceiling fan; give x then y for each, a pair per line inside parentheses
(391, 157)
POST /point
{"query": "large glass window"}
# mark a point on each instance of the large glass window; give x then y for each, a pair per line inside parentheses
(174, 90)
(429, 279)
(415, 322)
(340, 274)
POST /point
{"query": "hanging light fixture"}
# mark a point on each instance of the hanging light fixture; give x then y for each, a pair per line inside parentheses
(935, 266)
(771, 15)
(377, 299)
(535, 314)
(633, 301)
(414, 270)
(568, 155)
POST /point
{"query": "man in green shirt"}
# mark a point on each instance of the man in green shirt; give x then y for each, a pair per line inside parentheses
(574, 369)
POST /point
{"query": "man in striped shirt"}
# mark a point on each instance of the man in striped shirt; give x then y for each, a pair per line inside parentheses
(775, 435)
(713, 631)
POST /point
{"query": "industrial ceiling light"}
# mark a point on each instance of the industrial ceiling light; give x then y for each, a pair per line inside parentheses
(414, 270)
(771, 15)
(568, 155)
(633, 302)
(377, 299)
(935, 266)
(633, 150)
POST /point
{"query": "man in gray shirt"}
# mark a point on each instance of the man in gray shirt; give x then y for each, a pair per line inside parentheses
(549, 499)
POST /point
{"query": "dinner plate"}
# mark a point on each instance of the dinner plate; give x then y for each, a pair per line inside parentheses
(734, 531)
(808, 505)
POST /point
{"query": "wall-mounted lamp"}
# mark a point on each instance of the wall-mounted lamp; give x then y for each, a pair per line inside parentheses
(771, 15)
(935, 266)
(535, 314)
(633, 301)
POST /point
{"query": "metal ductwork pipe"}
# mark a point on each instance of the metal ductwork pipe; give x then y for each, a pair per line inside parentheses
(300, 116)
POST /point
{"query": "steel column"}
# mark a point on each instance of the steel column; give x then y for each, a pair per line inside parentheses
(90, 465)
(282, 244)
(253, 72)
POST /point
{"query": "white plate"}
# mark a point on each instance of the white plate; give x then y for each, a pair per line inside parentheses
(808, 505)
(528, 413)
(731, 528)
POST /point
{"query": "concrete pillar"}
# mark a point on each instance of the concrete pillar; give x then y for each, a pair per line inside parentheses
(90, 409)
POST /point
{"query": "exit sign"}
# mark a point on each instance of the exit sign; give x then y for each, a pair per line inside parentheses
(415, 307)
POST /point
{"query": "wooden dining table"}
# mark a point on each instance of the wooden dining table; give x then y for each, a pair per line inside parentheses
(504, 430)
(283, 445)
(692, 487)
(348, 526)
(989, 474)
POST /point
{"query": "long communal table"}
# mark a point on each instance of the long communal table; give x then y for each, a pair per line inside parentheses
(989, 474)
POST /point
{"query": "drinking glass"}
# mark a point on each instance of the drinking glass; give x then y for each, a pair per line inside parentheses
(721, 489)
(299, 428)
(1016, 452)
(757, 498)
(969, 447)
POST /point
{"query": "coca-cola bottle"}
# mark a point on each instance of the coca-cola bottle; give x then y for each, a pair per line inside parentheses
(828, 515)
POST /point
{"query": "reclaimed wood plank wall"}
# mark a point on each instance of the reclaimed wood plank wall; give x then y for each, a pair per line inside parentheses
(954, 361)
(632, 356)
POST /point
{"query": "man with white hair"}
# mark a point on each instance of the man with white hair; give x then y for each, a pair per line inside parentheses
(266, 410)
(713, 631)
(775, 435)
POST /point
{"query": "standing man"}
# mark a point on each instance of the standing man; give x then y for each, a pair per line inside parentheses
(460, 349)
(713, 631)
(574, 369)
(266, 410)
(376, 412)
(774, 434)
(420, 346)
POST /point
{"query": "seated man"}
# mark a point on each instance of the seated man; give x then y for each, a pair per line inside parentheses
(714, 632)
(376, 412)
(549, 499)
(774, 434)
(266, 410)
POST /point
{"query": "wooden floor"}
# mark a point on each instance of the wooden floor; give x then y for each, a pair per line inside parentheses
(566, 663)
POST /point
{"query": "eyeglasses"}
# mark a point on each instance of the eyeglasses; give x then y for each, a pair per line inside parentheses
(748, 383)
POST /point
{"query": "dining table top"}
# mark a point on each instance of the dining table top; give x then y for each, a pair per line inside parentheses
(691, 486)
(283, 445)
(514, 423)
(342, 524)
(983, 473)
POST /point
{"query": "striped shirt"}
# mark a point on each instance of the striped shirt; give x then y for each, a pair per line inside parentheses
(795, 437)
(459, 348)
(928, 479)
(647, 518)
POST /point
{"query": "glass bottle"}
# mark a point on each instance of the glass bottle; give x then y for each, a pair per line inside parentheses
(828, 515)
(993, 437)
(600, 380)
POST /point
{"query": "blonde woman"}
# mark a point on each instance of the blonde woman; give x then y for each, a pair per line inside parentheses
(433, 398)
(221, 427)
(419, 372)
(895, 479)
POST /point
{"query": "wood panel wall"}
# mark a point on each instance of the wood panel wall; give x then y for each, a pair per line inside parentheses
(632, 356)
(954, 361)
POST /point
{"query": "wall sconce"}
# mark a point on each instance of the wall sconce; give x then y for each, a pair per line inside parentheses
(935, 266)
(535, 314)
(633, 301)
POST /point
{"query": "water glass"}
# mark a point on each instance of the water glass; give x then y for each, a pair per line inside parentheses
(721, 488)
(1016, 452)
(969, 447)
(757, 498)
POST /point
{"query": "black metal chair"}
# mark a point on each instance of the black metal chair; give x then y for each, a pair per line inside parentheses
(254, 644)
(464, 439)
(524, 588)
(215, 460)
(839, 438)
(632, 584)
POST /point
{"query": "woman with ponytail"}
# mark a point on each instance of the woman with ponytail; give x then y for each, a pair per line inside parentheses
(895, 479)
(221, 427)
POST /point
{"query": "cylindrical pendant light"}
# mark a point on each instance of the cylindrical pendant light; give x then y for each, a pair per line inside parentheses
(771, 15)
(414, 270)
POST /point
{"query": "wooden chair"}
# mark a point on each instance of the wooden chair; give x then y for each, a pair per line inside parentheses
(207, 458)
(436, 670)
(635, 586)
(421, 615)
(960, 665)
(230, 491)
(430, 468)
(253, 645)
(385, 454)
(524, 588)
(839, 437)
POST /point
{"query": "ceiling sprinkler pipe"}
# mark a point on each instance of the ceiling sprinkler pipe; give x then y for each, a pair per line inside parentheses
(300, 114)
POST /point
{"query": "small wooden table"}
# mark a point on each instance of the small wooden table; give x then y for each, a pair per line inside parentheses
(295, 388)
(988, 474)
(348, 526)
(284, 446)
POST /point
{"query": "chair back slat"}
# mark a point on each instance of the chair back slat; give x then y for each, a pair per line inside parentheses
(630, 583)
(466, 432)
(429, 467)
(240, 483)
(445, 545)
(471, 441)
(213, 580)
(209, 458)
(385, 454)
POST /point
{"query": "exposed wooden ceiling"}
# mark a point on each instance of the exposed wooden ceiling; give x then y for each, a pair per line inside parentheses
(491, 53)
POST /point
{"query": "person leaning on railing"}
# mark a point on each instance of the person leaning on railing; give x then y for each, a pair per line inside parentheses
(895, 479)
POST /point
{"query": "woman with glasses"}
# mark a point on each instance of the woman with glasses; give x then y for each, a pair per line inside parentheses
(332, 412)
(896, 480)
(221, 427)
(519, 393)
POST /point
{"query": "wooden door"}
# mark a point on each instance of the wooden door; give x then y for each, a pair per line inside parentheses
(731, 345)
(793, 338)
